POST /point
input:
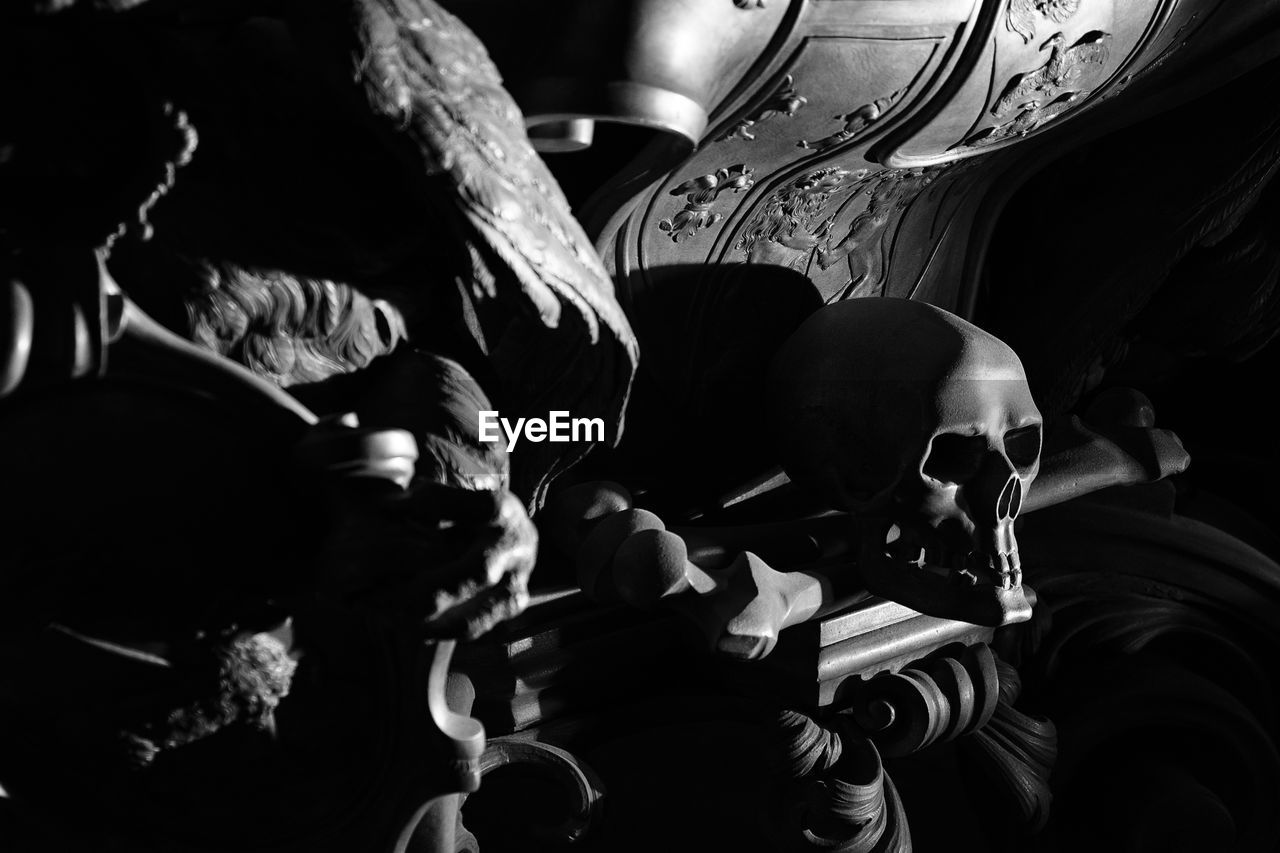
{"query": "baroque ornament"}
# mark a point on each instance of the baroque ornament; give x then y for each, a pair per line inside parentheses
(1062, 71)
(700, 196)
(832, 791)
(1022, 14)
(1032, 116)
(373, 516)
(794, 227)
(854, 122)
(1035, 98)
(788, 228)
(922, 426)
(786, 101)
(861, 247)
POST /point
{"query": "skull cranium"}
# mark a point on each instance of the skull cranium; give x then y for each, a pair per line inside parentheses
(921, 425)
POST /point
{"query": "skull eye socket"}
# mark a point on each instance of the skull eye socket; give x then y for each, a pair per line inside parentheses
(1022, 446)
(955, 458)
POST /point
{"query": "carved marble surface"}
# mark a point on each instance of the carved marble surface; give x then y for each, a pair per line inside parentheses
(853, 127)
(857, 147)
(863, 154)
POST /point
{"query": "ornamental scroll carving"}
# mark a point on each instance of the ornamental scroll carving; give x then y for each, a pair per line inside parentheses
(1034, 98)
(1061, 71)
(786, 101)
(855, 122)
(700, 197)
(1022, 15)
(1030, 117)
(962, 694)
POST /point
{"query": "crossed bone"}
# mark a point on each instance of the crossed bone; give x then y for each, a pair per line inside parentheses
(716, 579)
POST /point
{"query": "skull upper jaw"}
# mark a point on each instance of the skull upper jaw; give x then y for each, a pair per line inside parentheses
(935, 591)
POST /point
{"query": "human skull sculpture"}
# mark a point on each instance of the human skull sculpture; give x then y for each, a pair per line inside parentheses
(921, 425)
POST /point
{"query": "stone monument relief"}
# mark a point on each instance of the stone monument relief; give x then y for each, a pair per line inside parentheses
(614, 425)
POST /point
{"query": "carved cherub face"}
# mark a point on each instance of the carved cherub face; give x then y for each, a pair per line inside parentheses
(922, 425)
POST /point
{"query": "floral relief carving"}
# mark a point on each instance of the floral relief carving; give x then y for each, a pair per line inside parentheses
(786, 101)
(1022, 15)
(700, 197)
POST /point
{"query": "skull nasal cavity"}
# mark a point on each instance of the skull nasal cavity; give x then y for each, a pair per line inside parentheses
(1010, 499)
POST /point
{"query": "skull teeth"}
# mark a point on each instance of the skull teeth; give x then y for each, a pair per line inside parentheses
(1000, 570)
(962, 568)
(997, 567)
